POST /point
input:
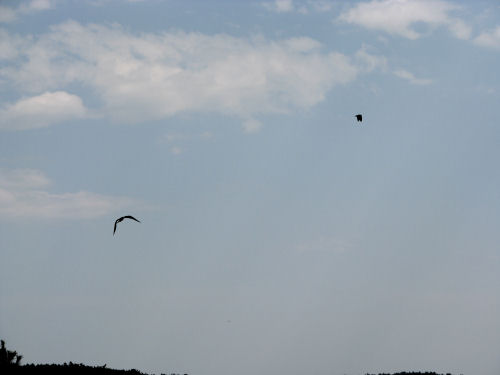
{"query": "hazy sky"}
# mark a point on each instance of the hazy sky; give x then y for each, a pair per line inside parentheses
(277, 234)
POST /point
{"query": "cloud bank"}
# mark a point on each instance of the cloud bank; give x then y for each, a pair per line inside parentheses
(141, 77)
(23, 194)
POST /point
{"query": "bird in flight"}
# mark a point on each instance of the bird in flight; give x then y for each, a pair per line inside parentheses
(121, 219)
(359, 117)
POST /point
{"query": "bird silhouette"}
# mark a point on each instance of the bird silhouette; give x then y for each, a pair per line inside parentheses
(359, 117)
(121, 219)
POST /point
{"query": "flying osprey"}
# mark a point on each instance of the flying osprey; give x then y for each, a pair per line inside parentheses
(359, 117)
(121, 219)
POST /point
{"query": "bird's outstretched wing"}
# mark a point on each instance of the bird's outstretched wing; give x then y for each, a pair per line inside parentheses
(121, 219)
(131, 217)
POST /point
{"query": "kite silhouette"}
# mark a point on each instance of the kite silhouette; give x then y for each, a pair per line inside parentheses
(359, 117)
(121, 219)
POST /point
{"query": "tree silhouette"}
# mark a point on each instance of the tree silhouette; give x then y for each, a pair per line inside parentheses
(9, 358)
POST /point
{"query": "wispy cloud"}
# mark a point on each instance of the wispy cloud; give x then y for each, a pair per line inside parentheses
(23, 194)
(8, 14)
(37, 5)
(404, 74)
(486, 89)
(41, 110)
(321, 6)
(368, 62)
(151, 76)
(11, 45)
(398, 17)
(252, 126)
(304, 7)
(175, 137)
(489, 38)
(280, 6)
(177, 141)
(23, 179)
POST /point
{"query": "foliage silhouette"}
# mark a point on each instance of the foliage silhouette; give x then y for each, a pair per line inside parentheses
(11, 361)
(9, 358)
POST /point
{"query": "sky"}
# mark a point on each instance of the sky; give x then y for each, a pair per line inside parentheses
(278, 235)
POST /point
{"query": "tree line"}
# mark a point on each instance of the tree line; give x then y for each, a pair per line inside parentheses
(10, 363)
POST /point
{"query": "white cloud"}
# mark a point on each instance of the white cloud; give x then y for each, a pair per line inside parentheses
(284, 5)
(489, 38)
(280, 6)
(11, 14)
(36, 5)
(22, 196)
(41, 110)
(41, 204)
(302, 44)
(152, 76)
(303, 7)
(399, 16)
(401, 73)
(7, 14)
(368, 62)
(251, 126)
(177, 141)
(10, 45)
(460, 29)
(22, 179)
(321, 5)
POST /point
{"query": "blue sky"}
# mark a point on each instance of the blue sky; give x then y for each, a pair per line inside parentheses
(277, 235)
